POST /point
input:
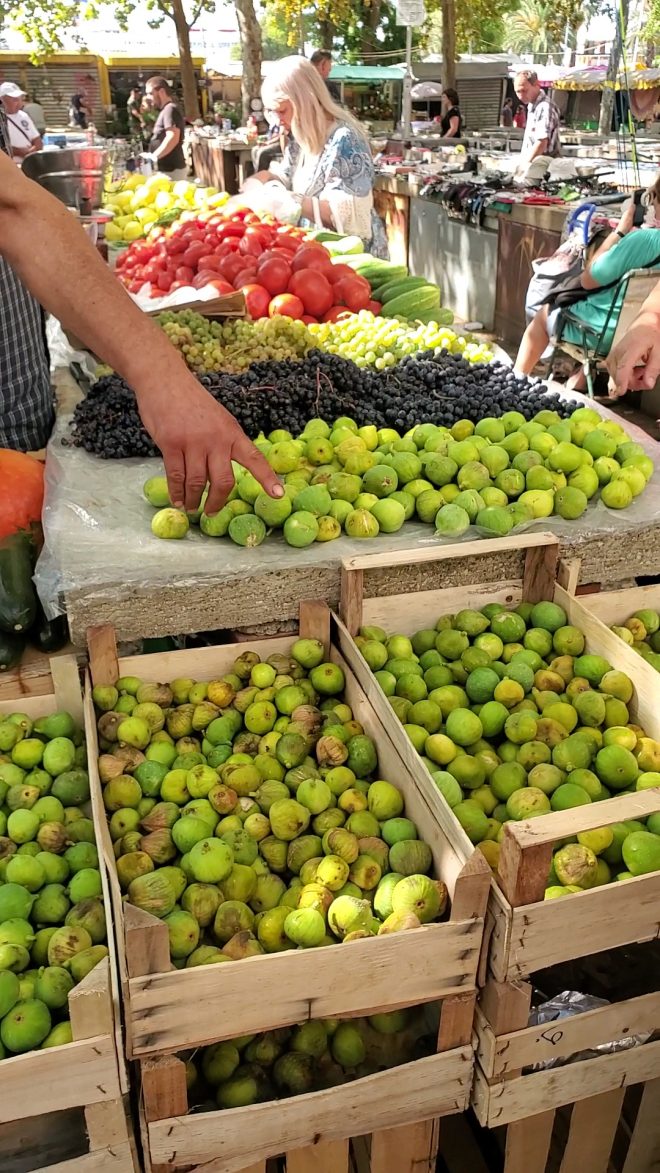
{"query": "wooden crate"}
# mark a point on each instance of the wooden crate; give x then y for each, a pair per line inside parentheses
(431, 964)
(88, 1073)
(615, 1132)
(614, 607)
(526, 933)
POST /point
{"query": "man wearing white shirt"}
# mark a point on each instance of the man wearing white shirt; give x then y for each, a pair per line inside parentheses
(23, 134)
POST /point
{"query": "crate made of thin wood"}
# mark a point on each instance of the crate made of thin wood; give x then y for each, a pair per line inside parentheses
(616, 1131)
(88, 1072)
(526, 933)
(162, 1004)
(317, 1132)
(613, 608)
(503, 1094)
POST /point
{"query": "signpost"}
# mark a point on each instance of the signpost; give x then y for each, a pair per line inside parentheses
(412, 14)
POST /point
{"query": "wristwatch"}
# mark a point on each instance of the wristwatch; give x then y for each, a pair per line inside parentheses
(619, 233)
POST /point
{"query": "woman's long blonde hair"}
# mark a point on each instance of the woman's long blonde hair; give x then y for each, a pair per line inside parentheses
(296, 80)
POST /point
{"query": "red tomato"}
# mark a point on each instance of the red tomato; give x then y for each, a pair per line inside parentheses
(178, 285)
(191, 233)
(335, 313)
(251, 246)
(260, 230)
(209, 261)
(339, 272)
(203, 278)
(285, 240)
(121, 260)
(184, 274)
(135, 286)
(311, 258)
(231, 265)
(176, 244)
(155, 292)
(287, 306)
(194, 251)
(222, 287)
(275, 274)
(164, 282)
(354, 292)
(308, 320)
(245, 276)
(314, 291)
(375, 307)
(230, 229)
(257, 300)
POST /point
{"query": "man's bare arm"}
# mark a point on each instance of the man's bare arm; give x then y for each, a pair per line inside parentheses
(51, 254)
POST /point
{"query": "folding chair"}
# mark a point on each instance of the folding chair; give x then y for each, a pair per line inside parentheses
(636, 286)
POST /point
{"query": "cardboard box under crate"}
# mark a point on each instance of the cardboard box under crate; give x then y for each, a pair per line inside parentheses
(526, 933)
(170, 1010)
(88, 1073)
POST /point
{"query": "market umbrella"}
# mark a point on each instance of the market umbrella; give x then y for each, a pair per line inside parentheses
(424, 90)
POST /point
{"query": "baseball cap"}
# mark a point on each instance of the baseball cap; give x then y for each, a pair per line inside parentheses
(9, 89)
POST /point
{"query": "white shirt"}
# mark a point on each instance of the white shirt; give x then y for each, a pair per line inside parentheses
(22, 131)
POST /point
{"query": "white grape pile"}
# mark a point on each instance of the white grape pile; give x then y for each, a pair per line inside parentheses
(382, 342)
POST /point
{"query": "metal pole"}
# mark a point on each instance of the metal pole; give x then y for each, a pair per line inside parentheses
(407, 86)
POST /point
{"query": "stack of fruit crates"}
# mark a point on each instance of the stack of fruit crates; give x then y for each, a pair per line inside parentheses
(170, 1012)
(84, 1081)
(525, 933)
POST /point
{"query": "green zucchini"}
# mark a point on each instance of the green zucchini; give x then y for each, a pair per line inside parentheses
(18, 600)
(11, 650)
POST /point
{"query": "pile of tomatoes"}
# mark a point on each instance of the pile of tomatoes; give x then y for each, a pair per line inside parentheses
(272, 264)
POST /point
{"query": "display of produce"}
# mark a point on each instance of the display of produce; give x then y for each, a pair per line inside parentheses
(514, 718)
(141, 203)
(279, 270)
(22, 620)
(433, 387)
(248, 812)
(235, 344)
(52, 919)
(316, 1054)
(642, 632)
(448, 478)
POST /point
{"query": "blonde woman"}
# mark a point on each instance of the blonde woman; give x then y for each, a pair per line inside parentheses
(327, 164)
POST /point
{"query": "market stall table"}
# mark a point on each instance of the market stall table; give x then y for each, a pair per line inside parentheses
(221, 164)
(107, 567)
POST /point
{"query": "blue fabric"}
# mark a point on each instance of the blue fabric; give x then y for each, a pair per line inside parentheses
(344, 163)
(637, 250)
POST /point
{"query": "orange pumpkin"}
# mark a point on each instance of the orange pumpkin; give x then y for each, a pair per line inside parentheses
(21, 491)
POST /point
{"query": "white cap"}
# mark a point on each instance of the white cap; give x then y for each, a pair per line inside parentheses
(9, 89)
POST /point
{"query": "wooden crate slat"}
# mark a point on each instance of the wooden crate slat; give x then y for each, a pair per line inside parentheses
(59, 1078)
(476, 549)
(593, 1127)
(558, 1040)
(422, 1090)
(545, 934)
(405, 969)
(643, 1154)
(411, 1149)
(515, 1099)
(528, 1144)
(327, 1156)
(113, 1159)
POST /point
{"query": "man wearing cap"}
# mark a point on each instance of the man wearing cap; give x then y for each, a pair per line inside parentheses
(23, 134)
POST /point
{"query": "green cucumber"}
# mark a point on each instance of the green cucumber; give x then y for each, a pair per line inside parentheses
(393, 288)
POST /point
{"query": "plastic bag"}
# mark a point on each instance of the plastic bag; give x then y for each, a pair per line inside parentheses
(566, 1005)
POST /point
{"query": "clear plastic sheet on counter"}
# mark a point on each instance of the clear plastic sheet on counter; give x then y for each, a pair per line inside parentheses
(97, 532)
(567, 1004)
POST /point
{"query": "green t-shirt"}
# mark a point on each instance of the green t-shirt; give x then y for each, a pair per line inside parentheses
(637, 250)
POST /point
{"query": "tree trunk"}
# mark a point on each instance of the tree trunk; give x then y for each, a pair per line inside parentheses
(188, 80)
(250, 34)
(369, 40)
(327, 33)
(607, 99)
(449, 43)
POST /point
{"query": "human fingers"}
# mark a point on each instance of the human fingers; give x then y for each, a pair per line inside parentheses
(175, 471)
(221, 481)
(195, 476)
(251, 458)
(651, 370)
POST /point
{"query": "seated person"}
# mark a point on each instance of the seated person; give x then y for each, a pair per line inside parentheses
(623, 249)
